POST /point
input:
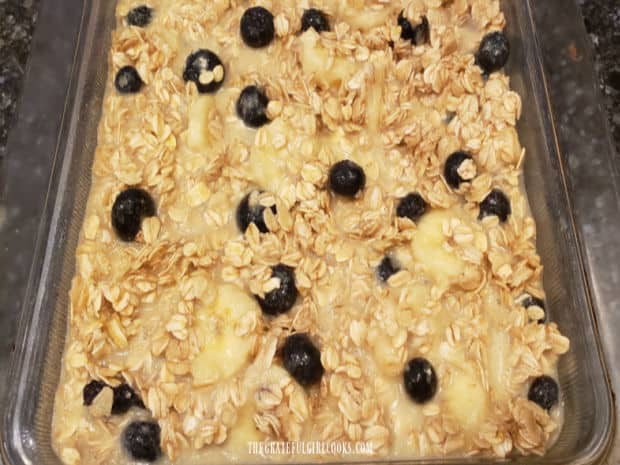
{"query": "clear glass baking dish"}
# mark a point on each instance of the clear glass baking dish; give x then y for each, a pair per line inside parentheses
(36, 359)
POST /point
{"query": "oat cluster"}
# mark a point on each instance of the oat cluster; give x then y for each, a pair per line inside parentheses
(158, 313)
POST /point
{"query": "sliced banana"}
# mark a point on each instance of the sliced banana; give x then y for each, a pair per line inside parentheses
(405, 415)
(418, 295)
(366, 19)
(243, 432)
(388, 358)
(223, 353)
(315, 60)
(266, 168)
(270, 161)
(428, 247)
(198, 136)
(498, 363)
(466, 399)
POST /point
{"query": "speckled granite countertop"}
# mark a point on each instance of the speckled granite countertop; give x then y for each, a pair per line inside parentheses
(17, 19)
(602, 18)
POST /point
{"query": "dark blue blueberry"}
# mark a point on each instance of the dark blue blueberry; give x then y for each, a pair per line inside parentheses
(252, 107)
(493, 52)
(92, 390)
(302, 359)
(247, 214)
(544, 391)
(313, 18)
(128, 80)
(386, 268)
(531, 301)
(412, 206)
(199, 62)
(257, 29)
(418, 34)
(496, 203)
(451, 169)
(281, 299)
(420, 380)
(130, 207)
(347, 178)
(125, 398)
(141, 439)
(140, 16)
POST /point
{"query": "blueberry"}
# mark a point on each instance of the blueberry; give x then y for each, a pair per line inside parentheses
(140, 16)
(531, 301)
(386, 268)
(257, 29)
(129, 208)
(92, 390)
(346, 178)
(452, 167)
(420, 380)
(197, 64)
(313, 18)
(544, 391)
(412, 206)
(124, 399)
(302, 359)
(252, 107)
(141, 439)
(281, 299)
(418, 34)
(247, 214)
(496, 203)
(127, 80)
(493, 52)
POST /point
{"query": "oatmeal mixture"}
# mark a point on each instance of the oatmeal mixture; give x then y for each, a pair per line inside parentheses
(306, 222)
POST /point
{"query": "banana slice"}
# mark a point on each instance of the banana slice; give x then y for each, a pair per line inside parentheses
(428, 248)
(389, 359)
(244, 432)
(466, 399)
(498, 364)
(499, 342)
(223, 352)
(375, 104)
(266, 168)
(366, 19)
(270, 162)
(198, 135)
(405, 415)
(316, 60)
(418, 295)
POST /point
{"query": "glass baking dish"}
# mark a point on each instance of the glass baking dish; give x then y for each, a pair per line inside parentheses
(36, 360)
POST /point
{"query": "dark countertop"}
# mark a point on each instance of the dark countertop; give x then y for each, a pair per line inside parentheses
(18, 17)
(602, 19)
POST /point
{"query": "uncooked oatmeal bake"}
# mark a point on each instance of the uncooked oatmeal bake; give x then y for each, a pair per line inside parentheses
(307, 222)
